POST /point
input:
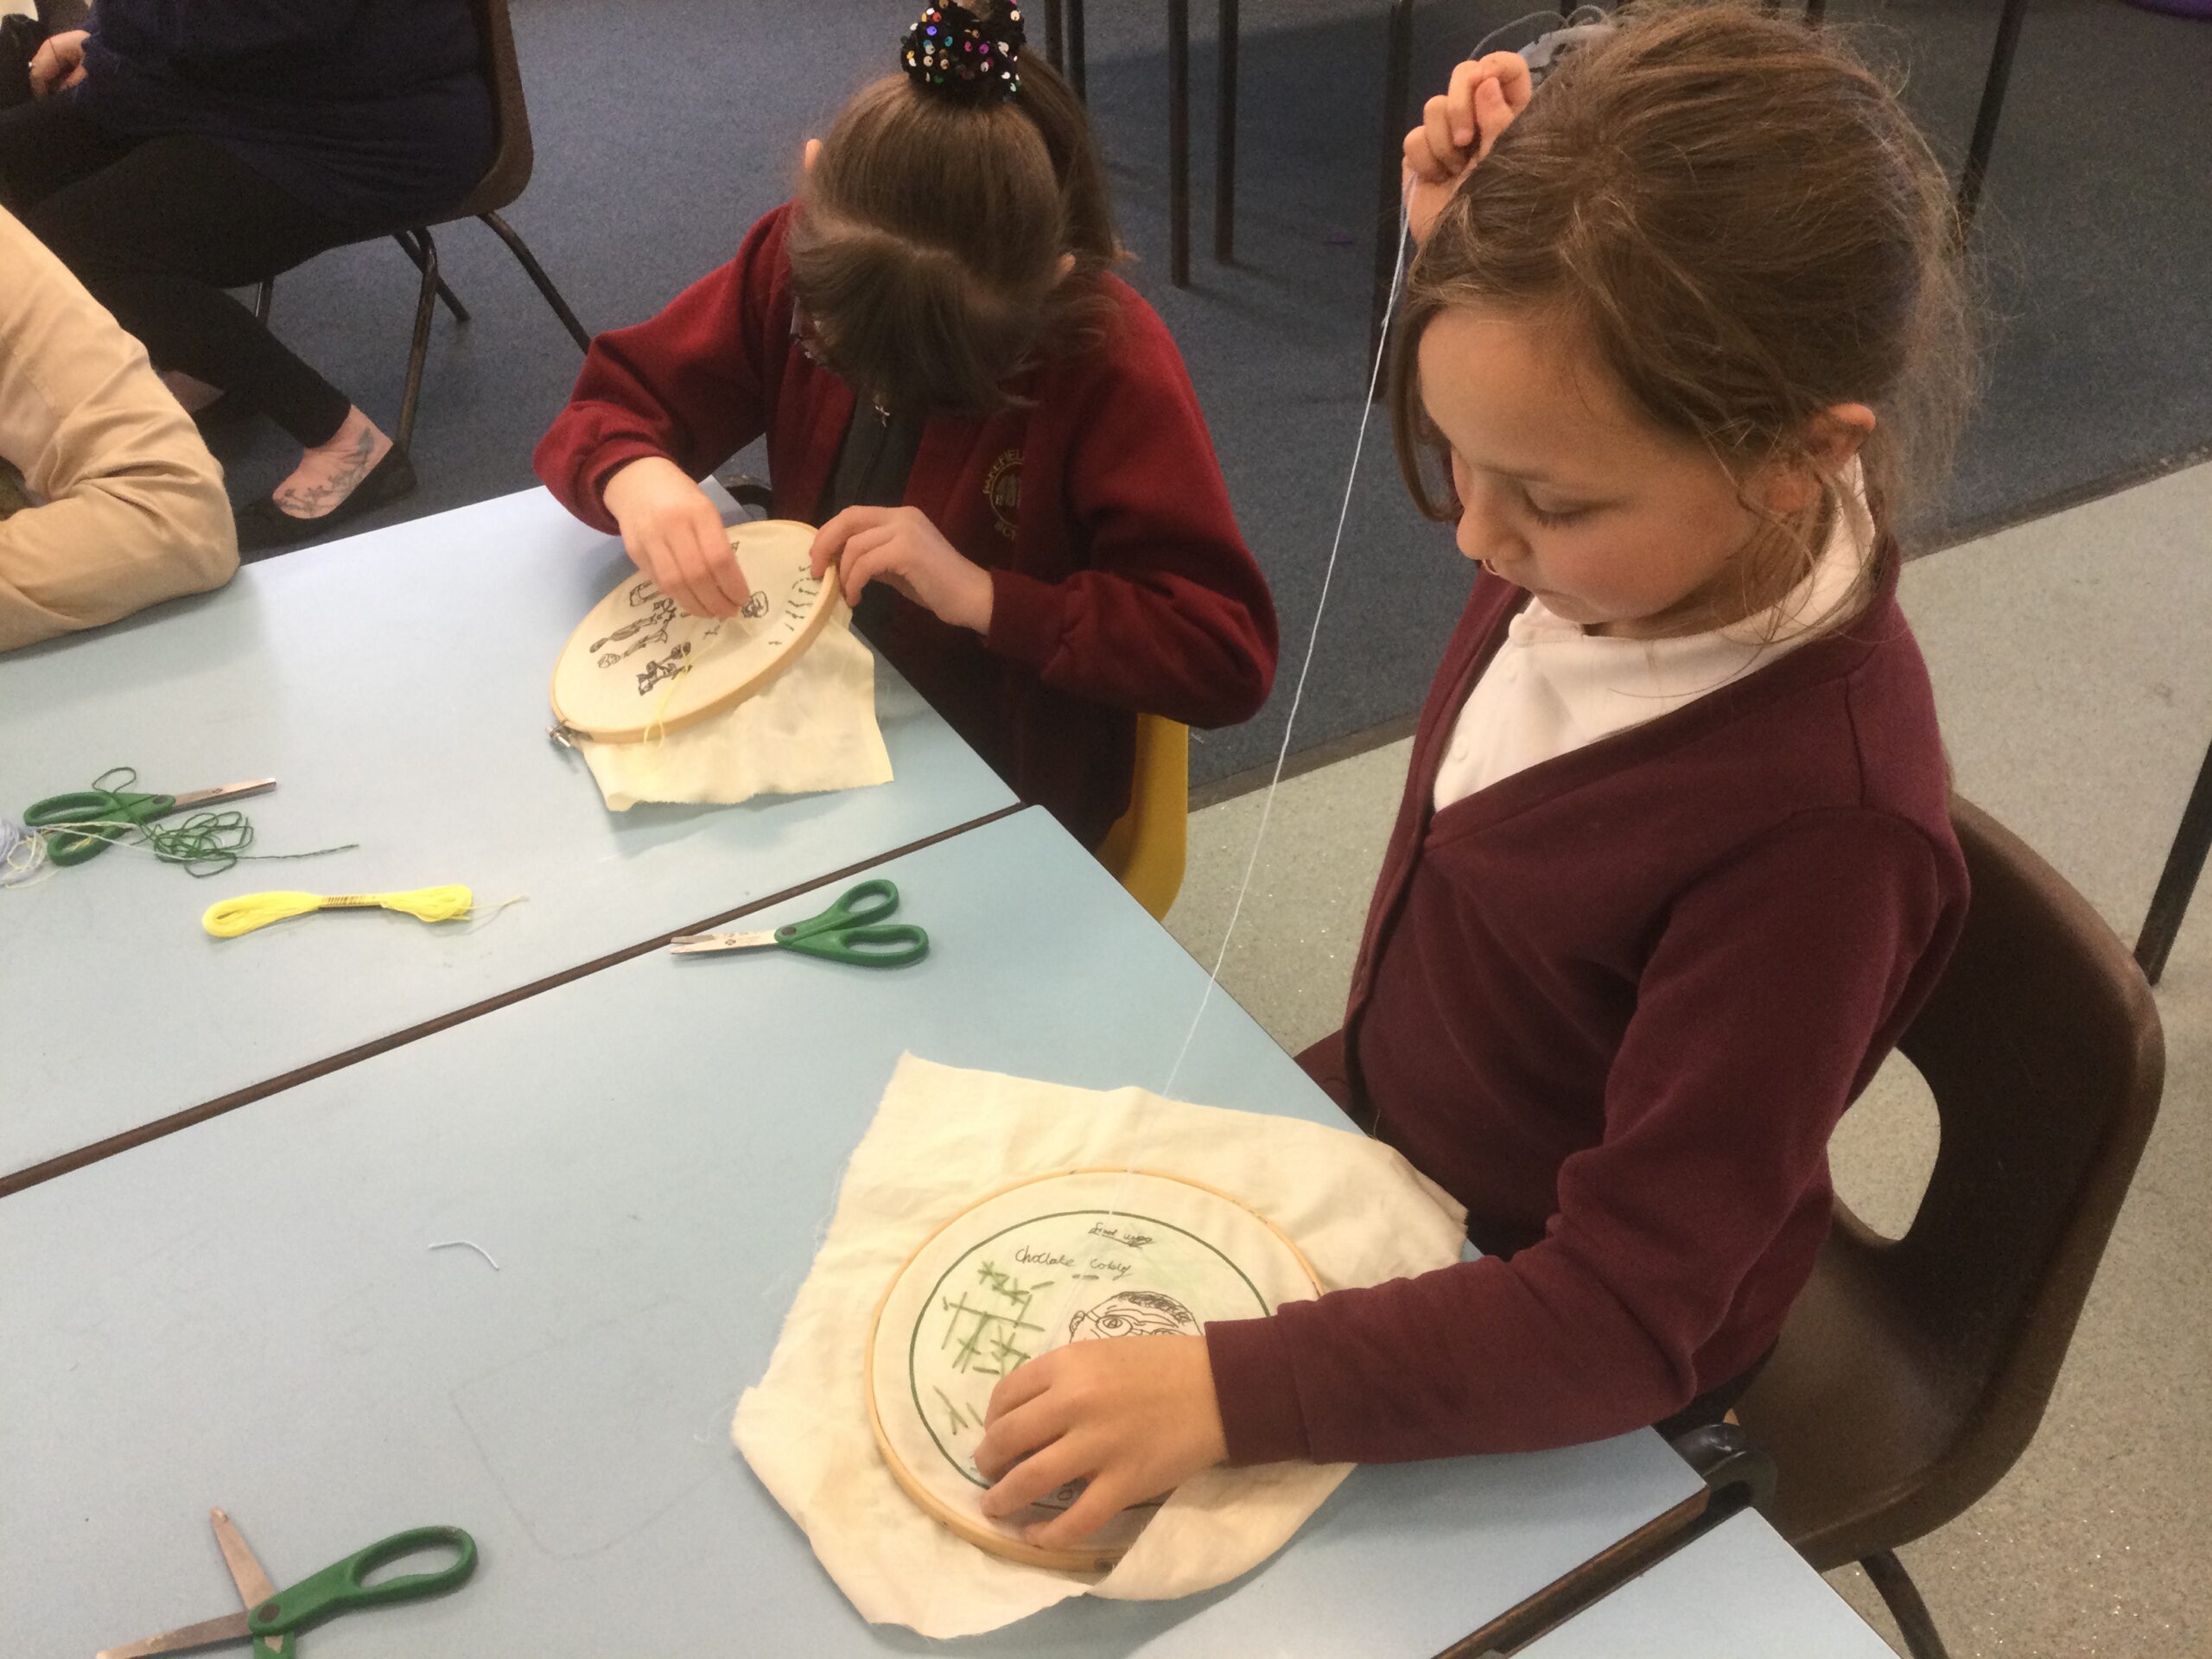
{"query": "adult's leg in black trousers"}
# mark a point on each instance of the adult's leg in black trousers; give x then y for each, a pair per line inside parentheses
(158, 234)
(45, 145)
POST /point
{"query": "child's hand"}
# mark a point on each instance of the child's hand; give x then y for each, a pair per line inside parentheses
(674, 535)
(1135, 1416)
(899, 546)
(59, 63)
(1458, 129)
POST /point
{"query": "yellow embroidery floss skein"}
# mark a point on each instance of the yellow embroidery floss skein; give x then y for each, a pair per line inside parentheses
(232, 916)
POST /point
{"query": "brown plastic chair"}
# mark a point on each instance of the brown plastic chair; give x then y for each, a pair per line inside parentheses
(512, 160)
(2184, 865)
(1913, 1372)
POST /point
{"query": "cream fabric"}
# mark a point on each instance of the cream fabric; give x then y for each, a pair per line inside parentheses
(133, 510)
(1357, 1210)
(813, 729)
(1552, 688)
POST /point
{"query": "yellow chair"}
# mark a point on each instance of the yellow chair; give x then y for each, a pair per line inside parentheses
(1145, 849)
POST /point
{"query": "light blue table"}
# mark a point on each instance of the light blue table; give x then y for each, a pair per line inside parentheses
(395, 685)
(246, 1313)
(1738, 1593)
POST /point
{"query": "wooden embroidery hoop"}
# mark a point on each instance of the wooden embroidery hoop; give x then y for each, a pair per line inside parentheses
(969, 1525)
(614, 687)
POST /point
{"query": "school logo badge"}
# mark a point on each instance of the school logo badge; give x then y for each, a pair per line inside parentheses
(1002, 489)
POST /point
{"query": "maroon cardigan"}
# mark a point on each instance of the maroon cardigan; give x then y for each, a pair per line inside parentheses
(1615, 1004)
(1120, 583)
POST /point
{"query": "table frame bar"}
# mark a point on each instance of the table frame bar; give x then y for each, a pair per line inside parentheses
(62, 1163)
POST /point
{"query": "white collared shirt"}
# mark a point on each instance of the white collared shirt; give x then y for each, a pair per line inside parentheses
(1552, 688)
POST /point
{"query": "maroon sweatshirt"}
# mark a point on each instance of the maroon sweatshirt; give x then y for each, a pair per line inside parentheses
(1615, 1004)
(1121, 584)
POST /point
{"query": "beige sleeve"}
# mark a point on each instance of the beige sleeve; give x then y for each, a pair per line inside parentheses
(134, 510)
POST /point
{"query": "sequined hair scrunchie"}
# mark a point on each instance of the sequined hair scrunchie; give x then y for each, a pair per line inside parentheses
(972, 57)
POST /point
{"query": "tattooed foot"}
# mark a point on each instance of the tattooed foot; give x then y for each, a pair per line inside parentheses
(330, 472)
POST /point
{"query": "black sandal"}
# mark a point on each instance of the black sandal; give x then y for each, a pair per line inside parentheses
(265, 526)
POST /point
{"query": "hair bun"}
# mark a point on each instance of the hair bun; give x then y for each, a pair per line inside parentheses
(972, 57)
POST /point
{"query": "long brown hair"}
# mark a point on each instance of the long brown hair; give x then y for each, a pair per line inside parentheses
(926, 250)
(1734, 215)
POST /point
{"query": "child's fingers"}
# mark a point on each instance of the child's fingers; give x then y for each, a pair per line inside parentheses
(1458, 126)
(651, 553)
(1101, 1502)
(867, 556)
(1039, 1475)
(1029, 1425)
(1019, 1387)
(1459, 97)
(696, 561)
(1494, 115)
(1502, 93)
(724, 575)
(830, 539)
(1446, 156)
(1515, 79)
(1421, 161)
(686, 555)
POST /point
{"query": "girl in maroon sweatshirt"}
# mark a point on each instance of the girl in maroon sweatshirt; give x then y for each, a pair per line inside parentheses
(1674, 867)
(997, 436)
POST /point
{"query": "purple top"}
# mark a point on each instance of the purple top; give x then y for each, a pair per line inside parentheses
(376, 111)
(1615, 1004)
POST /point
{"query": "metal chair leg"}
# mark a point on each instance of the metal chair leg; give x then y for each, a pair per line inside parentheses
(453, 301)
(1055, 33)
(536, 272)
(1225, 144)
(2177, 882)
(1179, 143)
(1993, 105)
(1396, 76)
(425, 304)
(1077, 72)
(268, 298)
(1902, 1596)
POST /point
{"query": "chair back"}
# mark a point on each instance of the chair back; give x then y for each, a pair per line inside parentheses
(512, 154)
(1913, 1372)
(1146, 848)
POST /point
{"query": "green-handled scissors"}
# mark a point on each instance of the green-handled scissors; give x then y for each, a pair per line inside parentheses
(84, 823)
(273, 1618)
(851, 931)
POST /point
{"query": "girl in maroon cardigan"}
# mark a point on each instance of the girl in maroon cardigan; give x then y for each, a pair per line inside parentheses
(1674, 867)
(997, 436)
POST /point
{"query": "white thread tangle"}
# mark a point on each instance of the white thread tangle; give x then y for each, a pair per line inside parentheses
(465, 1244)
(23, 855)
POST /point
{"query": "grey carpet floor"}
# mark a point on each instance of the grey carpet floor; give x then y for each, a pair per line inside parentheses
(665, 126)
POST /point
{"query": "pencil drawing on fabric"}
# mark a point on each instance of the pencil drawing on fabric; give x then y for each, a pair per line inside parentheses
(1133, 1314)
(662, 613)
(639, 667)
(1082, 1256)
